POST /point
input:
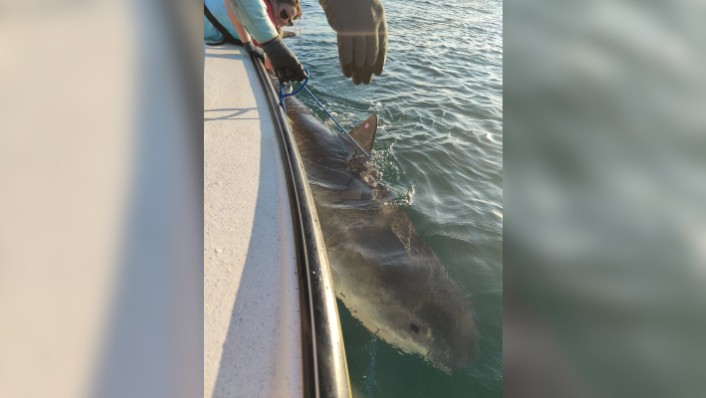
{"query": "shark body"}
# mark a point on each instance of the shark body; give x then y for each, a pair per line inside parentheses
(383, 272)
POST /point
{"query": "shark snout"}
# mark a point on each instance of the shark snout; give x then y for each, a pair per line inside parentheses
(453, 334)
(454, 357)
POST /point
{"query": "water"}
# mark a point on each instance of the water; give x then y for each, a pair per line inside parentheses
(439, 147)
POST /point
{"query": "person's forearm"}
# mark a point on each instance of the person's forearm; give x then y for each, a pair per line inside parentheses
(242, 33)
(252, 14)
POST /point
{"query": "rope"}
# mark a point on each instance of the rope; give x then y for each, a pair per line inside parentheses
(283, 95)
(302, 86)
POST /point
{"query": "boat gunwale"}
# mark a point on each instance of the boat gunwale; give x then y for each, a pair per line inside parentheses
(325, 368)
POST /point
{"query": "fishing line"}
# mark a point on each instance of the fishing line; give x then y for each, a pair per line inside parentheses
(302, 86)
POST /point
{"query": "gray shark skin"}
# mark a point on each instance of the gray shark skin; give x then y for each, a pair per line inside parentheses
(383, 272)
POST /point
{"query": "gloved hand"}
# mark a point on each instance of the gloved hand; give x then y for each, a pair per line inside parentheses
(254, 51)
(284, 62)
(362, 36)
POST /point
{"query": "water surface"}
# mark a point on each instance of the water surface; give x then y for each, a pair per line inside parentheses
(439, 147)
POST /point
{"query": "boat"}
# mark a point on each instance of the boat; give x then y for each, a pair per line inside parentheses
(271, 325)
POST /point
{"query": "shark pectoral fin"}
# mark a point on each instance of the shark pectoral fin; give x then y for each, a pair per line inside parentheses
(364, 133)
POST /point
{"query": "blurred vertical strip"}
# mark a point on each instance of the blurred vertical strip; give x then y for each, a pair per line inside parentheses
(605, 166)
(154, 345)
(101, 232)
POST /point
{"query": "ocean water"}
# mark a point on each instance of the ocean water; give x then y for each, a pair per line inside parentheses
(439, 148)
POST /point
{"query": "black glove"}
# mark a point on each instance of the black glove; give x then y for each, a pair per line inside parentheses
(254, 50)
(284, 62)
(362, 36)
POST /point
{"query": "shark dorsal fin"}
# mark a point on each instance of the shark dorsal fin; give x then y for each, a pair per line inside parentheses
(364, 133)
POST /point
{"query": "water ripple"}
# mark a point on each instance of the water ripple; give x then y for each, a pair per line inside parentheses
(439, 148)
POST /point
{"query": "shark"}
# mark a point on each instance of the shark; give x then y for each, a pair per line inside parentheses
(383, 271)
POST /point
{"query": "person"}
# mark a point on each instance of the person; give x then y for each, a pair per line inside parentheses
(217, 14)
(361, 30)
(281, 13)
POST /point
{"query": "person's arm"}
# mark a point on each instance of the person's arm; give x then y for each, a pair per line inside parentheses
(243, 34)
(252, 14)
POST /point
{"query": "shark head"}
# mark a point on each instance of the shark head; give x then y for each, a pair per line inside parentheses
(429, 315)
(448, 331)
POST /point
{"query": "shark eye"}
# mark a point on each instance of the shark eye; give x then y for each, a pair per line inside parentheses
(414, 328)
